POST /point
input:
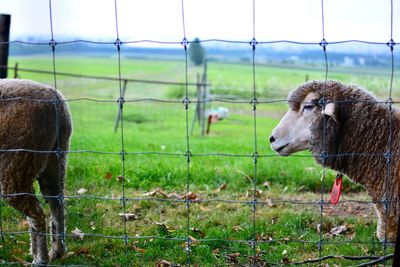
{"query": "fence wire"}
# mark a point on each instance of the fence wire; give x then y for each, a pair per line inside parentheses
(254, 203)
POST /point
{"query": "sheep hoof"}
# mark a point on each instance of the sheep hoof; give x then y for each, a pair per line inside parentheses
(56, 253)
(40, 262)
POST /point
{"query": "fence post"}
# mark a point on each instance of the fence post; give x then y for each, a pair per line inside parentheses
(197, 113)
(5, 21)
(16, 70)
(118, 119)
(203, 98)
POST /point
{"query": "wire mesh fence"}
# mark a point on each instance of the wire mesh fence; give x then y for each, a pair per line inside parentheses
(256, 245)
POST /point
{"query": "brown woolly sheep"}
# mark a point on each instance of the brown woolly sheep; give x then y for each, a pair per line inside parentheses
(34, 117)
(355, 143)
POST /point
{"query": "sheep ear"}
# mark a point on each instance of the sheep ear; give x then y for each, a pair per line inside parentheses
(329, 110)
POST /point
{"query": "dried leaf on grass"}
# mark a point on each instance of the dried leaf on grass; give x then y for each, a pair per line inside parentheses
(163, 263)
(81, 191)
(338, 230)
(77, 234)
(221, 188)
(165, 227)
(81, 251)
(233, 257)
(140, 250)
(204, 209)
(155, 192)
(267, 185)
(189, 195)
(128, 216)
(108, 176)
(198, 231)
(250, 193)
(237, 228)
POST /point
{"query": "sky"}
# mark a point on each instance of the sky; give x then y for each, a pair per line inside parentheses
(161, 20)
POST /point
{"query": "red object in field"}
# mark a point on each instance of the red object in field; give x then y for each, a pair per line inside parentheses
(336, 188)
(211, 119)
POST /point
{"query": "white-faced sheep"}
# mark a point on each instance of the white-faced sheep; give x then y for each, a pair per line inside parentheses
(34, 117)
(349, 134)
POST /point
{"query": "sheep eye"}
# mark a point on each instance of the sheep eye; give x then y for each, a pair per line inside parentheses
(308, 107)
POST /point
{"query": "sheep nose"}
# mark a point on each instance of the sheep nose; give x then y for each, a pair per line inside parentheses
(272, 139)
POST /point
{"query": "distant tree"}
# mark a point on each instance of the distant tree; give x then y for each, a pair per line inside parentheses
(197, 52)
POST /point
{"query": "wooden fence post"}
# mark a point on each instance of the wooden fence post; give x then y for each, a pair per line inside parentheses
(16, 76)
(5, 21)
(197, 113)
(203, 98)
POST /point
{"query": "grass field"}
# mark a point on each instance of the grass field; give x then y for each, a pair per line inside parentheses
(287, 230)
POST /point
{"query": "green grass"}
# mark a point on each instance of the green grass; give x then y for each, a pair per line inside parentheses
(155, 127)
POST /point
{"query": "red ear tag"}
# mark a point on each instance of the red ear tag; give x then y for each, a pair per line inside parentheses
(336, 188)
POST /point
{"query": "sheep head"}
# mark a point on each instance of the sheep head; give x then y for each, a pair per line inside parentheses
(308, 105)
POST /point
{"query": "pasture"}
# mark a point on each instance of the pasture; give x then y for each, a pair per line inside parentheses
(288, 229)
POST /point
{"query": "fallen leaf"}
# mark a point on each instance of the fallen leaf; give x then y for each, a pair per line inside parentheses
(77, 234)
(237, 228)
(267, 185)
(341, 229)
(198, 231)
(284, 252)
(165, 227)
(192, 239)
(141, 250)
(81, 251)
(81, 191)
(174, 195)
(155, 192)
(120, 178)
(128, 216)
(163, 263)
(250, 193)
(190, 195)
(204, 209)
(233, 257)
(221, 188)
(108, 175)
(269, 202)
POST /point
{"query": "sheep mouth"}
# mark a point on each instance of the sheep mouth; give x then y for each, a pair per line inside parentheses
(279, 149)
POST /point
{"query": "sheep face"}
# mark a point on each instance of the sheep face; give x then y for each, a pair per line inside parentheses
(293, 133)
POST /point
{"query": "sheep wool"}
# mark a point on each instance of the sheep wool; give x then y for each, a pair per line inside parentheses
(35, 128)
(361, 140)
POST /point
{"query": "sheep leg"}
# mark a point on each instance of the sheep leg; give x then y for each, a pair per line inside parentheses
(29, 206)
(51, 183)
(386, 223)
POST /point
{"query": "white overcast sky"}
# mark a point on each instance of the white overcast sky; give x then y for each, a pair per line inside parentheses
(161, 20)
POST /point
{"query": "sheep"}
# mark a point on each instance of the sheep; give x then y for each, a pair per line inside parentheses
(35, 117)
(347, 129)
